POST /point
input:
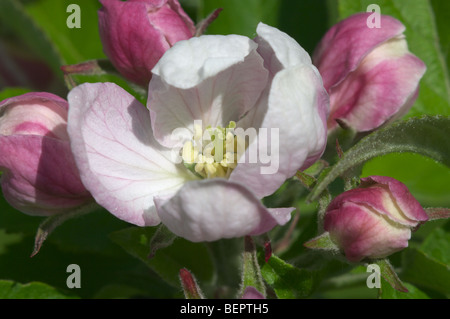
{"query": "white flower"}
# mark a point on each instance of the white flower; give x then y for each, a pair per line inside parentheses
(229, 83)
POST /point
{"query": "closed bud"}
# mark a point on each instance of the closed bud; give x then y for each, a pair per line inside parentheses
(190, 287)
(136, 33)
(39, 176)
(374, 220)
(369, 73)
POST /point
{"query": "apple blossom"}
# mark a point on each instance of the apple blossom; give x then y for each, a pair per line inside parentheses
(374, 220)
(369, 73)
(209, 84)
(136, 33)
(39, 173)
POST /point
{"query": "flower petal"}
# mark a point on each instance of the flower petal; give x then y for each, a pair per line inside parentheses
(135, 34)
(215, 79)
(278, 49)
(119, 160)
(361, 233)
(34, 113)
(401, 196)
(295, 131)
(365, 100)
(388, 197)
(172, 21)
(353, 37)
(212, 209)
(39, 175)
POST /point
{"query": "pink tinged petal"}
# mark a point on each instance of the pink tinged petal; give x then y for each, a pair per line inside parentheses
(295, 131)
(361, 232)
(401, 196)
(365, 100)
(275, 216)
(345, 45)
(39, 175)
(119, 160)
(215, 79)
(173, 22)
(34, 114)
(123, 46)
(212, 209)
(40, 96)
(377, 198)
(252, 293)
(323, 107)
(174, 5)
(135, 34)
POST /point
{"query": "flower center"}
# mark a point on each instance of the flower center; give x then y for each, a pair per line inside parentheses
(213, 152)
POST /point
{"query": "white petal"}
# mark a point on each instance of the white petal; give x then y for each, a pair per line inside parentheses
(212, 209)
(287, 51)
(190, 62)
(120, 163)
(215, 79)
(295, 126)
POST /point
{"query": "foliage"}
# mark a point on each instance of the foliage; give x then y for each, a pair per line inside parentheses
(114, 257)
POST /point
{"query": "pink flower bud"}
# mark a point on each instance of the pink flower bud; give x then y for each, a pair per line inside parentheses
(374, 220)
(369, 73)
(136, 33)
(39, 176)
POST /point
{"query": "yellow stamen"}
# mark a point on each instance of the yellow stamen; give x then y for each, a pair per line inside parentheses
(214, 153)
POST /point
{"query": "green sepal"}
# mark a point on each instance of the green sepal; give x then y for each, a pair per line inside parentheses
(322, 242)
(162, 238)
(251, 272)
(389, 274)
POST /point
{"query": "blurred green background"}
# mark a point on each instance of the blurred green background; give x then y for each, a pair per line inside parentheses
(35, 42)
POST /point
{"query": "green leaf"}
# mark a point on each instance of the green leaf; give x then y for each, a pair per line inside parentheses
(288, 281)
(33, 290)
(423, 40)
(426, 179)
(239, 17)
(437, 246)
(387, 292)
(7, 239)
(10, 92)
(73, 45)
(14, 16)
(167, 262)
(423, 270)
(441, 9)
(429, 265)
(83, 241)
(427, 136)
